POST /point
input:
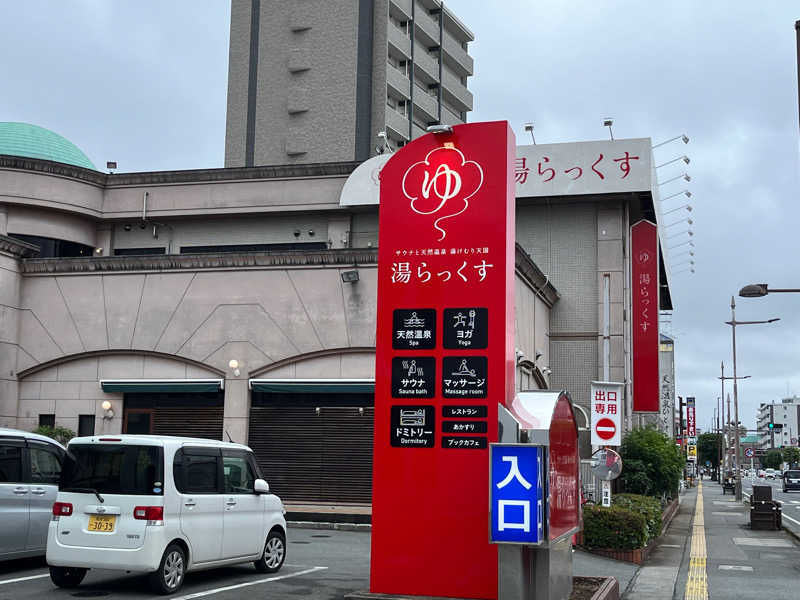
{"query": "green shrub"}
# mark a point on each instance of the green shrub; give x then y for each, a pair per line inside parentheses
(613, 527)
(58, 433)
(647, 506)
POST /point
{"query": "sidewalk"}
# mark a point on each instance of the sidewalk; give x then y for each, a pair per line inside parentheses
(656, 579)
(732, 561)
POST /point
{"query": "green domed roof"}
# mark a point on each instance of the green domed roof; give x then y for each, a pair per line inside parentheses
(32, 141)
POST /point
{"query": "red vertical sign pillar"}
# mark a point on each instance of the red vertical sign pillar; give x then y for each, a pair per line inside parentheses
(444, 358)
(645, 294)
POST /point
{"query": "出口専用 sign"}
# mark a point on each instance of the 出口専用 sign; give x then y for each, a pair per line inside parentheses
(606, 408)
(444, 358)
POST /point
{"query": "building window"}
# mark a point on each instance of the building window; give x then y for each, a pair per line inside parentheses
(138, 251)
(53, 248)
(293, 246)
(47, 420)
(85, 425)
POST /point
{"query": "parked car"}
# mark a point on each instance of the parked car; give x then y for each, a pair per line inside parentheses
(761, 473)
(162, 506)
(769, 474)
(791, 480)
(30, 466)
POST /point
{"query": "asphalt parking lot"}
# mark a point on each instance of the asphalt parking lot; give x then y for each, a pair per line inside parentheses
(320, 565)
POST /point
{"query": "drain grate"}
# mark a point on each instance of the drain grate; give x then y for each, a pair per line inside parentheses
(321, 535)
(91, 594)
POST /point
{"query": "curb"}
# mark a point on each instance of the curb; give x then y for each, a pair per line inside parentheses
(329, 526)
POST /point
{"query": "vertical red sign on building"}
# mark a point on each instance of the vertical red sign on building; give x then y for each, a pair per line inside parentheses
(691, 424)
(644, 288)
(444, 358)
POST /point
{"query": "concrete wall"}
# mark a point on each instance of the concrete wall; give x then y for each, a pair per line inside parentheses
(273, 229)
(576, 244)
(256, 316)
(9, 336)
(52, 224)
(42, 189)
(73, 388)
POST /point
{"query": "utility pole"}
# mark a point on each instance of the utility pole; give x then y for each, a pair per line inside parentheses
(722, 401)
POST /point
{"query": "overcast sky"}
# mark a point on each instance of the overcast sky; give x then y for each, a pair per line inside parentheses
(144, 83)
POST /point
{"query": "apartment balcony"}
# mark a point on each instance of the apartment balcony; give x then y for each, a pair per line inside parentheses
(456, 92)
(450, 118)
(397, 123)
(456, 57)
(401, 9)
(427, 104)
(426, 63)
(398, 82)
(399, 41)
(427, 29)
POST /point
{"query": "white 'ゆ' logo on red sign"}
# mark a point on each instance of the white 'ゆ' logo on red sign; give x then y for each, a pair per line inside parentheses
(441, 185)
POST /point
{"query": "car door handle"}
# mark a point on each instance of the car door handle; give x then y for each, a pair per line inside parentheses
(230, 502)
(39, 492)
(20, 491)
(190, 503)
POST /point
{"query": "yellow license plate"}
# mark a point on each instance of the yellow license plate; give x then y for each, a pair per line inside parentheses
(102, 523)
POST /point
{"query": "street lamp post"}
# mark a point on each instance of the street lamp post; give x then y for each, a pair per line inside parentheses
(725, 423)
(757, 290)
(733, 323)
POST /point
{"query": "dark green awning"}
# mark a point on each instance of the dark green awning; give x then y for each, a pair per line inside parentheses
(177, 385)
(320, 386)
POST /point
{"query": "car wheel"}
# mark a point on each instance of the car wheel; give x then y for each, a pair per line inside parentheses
(274, 553)
(67, 577)
(169, 576)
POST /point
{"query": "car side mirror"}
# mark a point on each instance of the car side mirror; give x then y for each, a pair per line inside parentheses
(261, 487)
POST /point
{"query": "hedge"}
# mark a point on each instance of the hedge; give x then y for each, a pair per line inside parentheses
(613, 527)
(646, 505)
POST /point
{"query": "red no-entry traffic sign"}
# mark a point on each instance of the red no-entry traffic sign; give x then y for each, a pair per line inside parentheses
(605, 428)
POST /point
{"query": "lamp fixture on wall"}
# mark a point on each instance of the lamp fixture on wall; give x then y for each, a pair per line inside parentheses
(234, 364)
(108, 411)
(350, 276)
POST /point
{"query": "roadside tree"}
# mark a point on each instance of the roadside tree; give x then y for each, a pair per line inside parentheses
(773, 459)
(708, 448)
(652, 463)
(791, 455)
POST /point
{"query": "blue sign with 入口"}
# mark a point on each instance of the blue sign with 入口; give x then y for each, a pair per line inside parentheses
(516, 493)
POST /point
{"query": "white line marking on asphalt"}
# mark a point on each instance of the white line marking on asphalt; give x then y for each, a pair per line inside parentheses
(24, 578)
(728, 513)
(790, 519)
(669, 546)
(247, 584)
(735, 568)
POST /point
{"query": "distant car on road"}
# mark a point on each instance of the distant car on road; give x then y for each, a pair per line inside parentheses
(769, 474)
(761, 473)
(791, 480)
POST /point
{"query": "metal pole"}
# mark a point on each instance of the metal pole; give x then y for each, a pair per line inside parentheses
(719, 441)
(735, 406)
(722, 401)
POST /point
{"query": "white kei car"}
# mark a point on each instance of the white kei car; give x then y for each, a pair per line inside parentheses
(163, 506)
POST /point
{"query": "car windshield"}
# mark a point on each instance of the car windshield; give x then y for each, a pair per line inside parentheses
(114, 469)
(792, 474)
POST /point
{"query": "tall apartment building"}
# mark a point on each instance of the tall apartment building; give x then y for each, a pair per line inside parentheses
(785, 414)
(313, 81)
